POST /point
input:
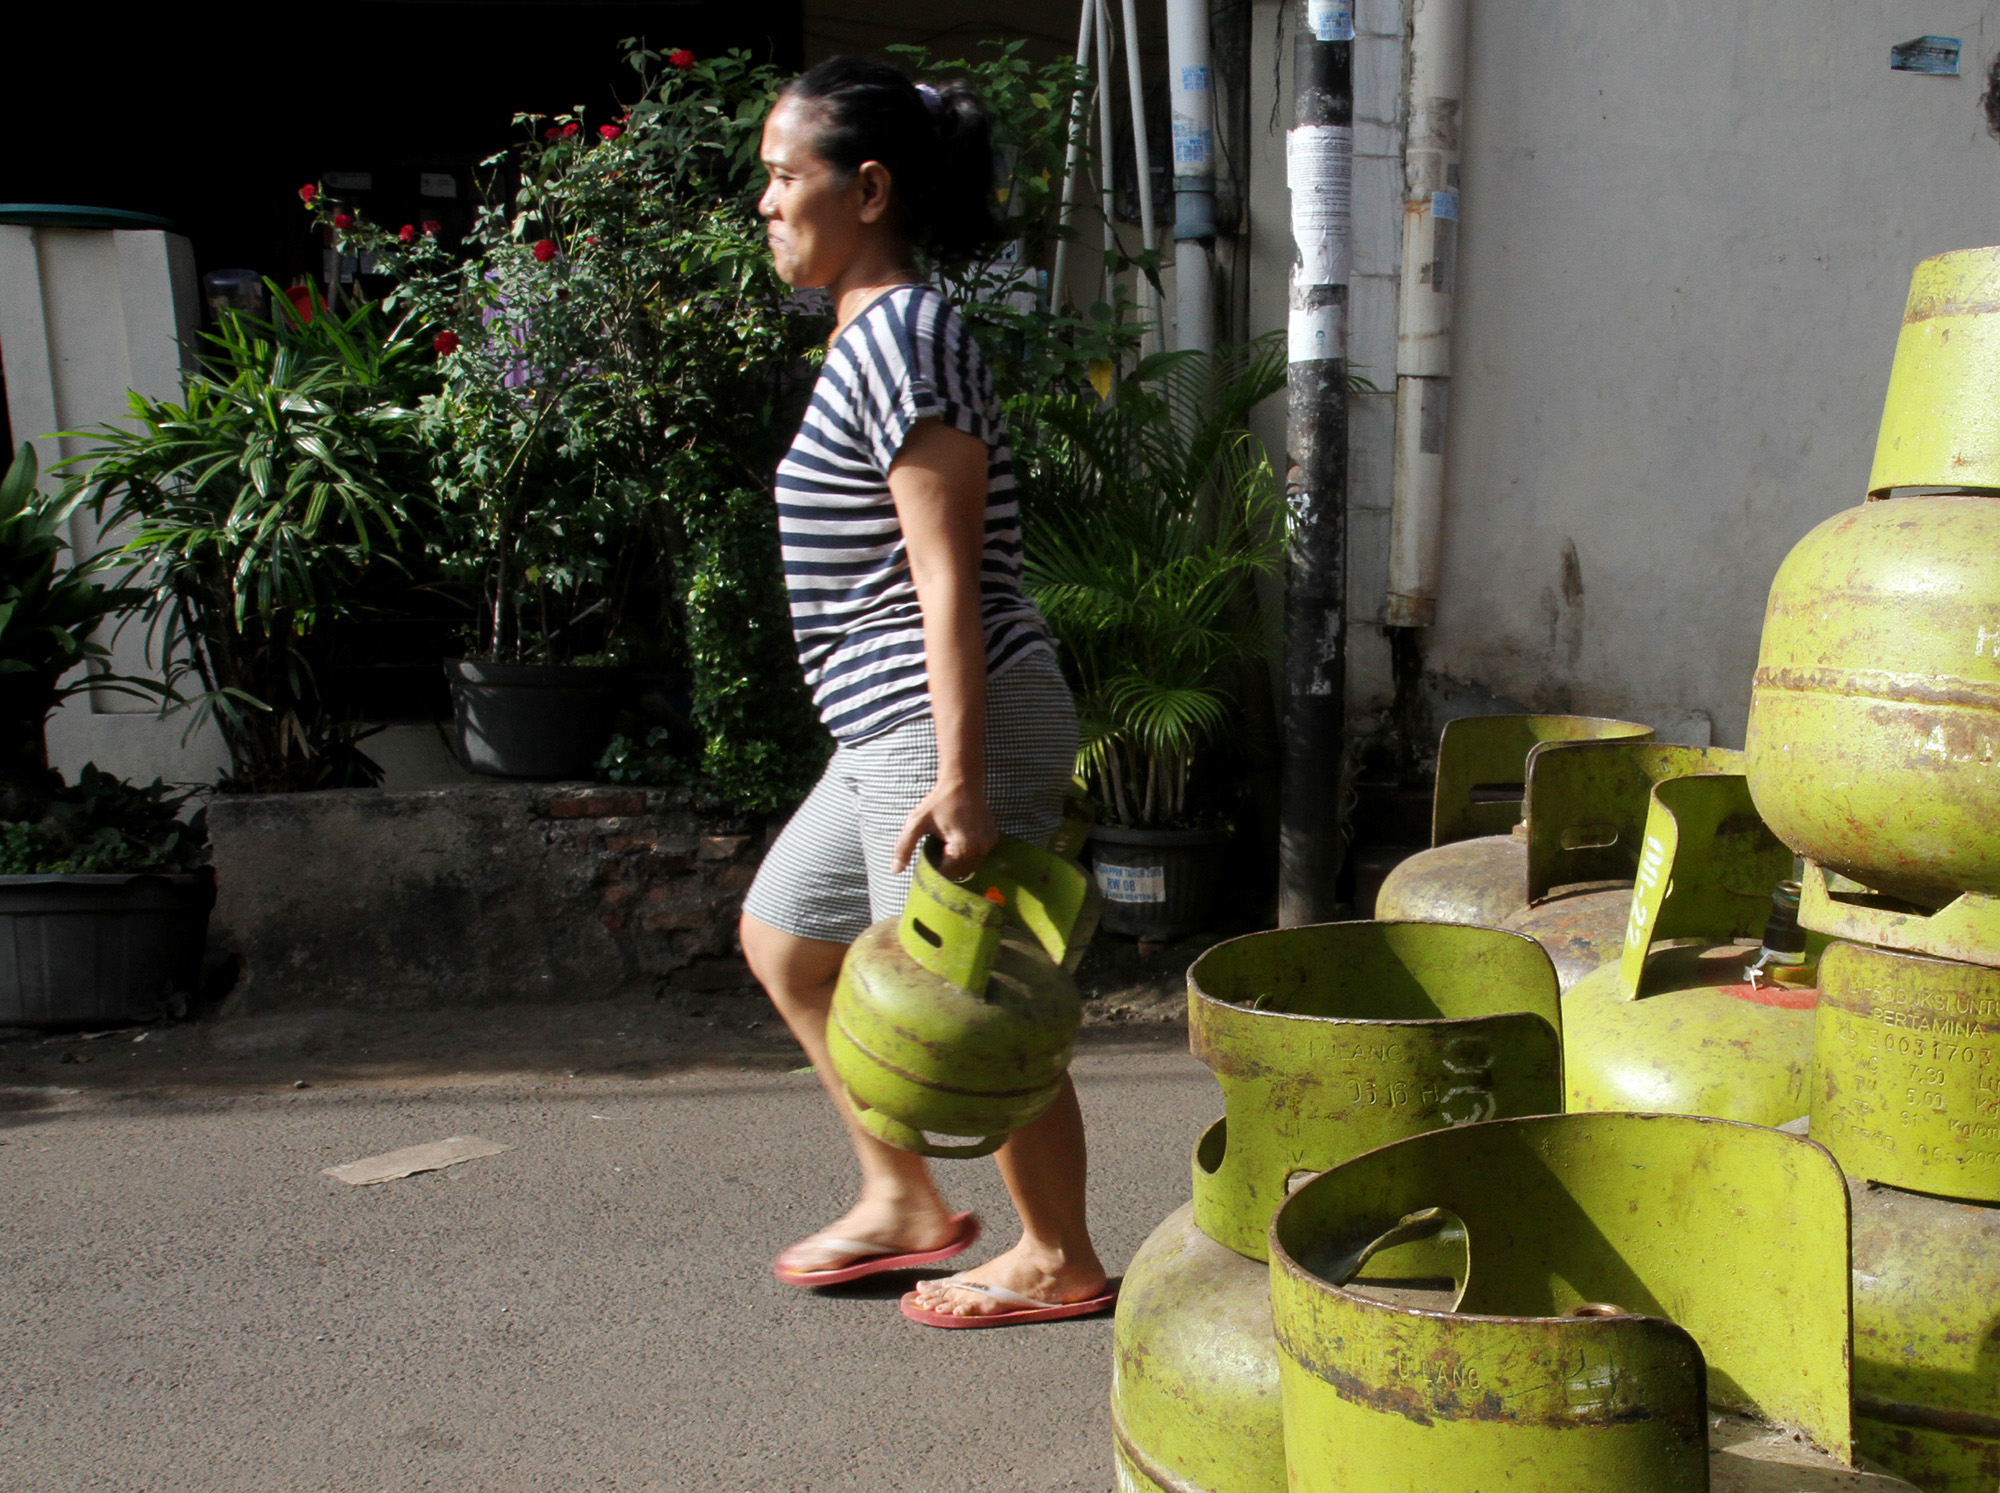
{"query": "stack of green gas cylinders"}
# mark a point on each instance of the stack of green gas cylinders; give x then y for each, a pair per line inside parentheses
(1874, 752)
(1649, 1138)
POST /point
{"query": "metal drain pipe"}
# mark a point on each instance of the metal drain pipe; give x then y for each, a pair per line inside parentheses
(1320, 171)
(1193, 122)
(1079, 105)
(1424, 308)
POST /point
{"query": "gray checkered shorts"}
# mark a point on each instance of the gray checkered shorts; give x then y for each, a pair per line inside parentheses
(828, 875)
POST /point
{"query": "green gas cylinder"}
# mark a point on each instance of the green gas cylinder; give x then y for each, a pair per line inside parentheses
(957, 1019)
(1627, 1278)
(1713, 1027)
(1906, 1095)
(1874, 736)
(1570, 859)
(1327, 1040)
(1476, 868)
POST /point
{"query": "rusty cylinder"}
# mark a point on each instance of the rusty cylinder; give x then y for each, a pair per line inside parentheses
(1327, 1040)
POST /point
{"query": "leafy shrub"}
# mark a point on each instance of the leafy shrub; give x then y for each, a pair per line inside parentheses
(49, 612)
(254, 507)
(103, 824)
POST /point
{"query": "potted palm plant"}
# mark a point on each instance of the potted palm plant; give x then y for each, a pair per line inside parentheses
(1150, 516)
(103, 896)
(251, 510)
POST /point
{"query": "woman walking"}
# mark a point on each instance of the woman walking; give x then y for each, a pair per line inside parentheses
(902, 552)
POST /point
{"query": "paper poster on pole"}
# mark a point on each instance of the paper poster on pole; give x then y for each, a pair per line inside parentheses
(1319, 168)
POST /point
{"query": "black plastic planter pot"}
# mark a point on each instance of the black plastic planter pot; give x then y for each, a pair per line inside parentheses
(531, 720)
(1158, 884)
(97, 950)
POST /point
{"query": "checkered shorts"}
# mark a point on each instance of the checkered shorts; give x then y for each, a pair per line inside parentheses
(828, 875)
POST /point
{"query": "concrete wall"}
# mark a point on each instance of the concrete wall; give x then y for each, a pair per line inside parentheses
(475, 896)
(1687, 236)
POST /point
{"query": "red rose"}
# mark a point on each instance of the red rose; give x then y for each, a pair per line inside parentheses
(432, 225)
(552, 133)
(682, 59)
(609, 131)
(407, 233)
(308, 192)
(570, 129)
(445, 342)
(545, 250)
(343, 220)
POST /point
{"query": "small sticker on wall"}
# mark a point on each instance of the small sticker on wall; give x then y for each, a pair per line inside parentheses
(1331, 20)
(1132, 883)
(1445, 205)
(1937, 55)
(1194, 80)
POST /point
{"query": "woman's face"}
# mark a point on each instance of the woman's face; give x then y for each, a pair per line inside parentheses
(815, 219)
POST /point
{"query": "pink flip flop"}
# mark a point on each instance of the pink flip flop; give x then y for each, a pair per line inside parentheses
(877, 1259)
(1026, 1308)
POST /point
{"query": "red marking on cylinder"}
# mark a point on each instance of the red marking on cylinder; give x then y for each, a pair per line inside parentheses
(1772, 995)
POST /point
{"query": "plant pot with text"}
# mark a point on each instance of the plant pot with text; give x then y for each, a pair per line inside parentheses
(531, 720)
(98, 950)
(1158, 884)
(1151, 519)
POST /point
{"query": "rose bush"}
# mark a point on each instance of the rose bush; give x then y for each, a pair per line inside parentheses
(617, 368)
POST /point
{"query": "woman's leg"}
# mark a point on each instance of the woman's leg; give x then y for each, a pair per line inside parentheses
(1043, 1165)
(900, 1206)
(1031, 744)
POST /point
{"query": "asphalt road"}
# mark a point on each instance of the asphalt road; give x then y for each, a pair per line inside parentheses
(186, 1303)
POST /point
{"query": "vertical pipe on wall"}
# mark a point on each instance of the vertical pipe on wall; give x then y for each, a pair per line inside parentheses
(1193, 121)
(1424, 308)
(1319, 154)
(1079, 102)
(1142, 161)
(1105, 158)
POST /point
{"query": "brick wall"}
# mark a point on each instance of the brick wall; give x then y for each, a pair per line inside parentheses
(477, 895)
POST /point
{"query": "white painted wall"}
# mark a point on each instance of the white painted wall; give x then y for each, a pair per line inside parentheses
(85, 316)
(1687, 235)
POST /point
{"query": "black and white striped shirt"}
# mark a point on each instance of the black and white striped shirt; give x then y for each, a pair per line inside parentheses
(855, 617)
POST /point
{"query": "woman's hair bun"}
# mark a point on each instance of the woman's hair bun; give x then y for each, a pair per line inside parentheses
(936, 143)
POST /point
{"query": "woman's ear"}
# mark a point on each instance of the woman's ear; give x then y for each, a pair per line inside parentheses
(875, 183)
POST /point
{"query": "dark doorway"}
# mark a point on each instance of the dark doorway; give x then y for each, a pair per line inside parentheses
(213, 115)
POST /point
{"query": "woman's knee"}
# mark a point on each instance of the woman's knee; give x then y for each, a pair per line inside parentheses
(787, 966)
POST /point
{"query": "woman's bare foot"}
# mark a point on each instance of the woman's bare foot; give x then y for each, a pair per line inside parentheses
(1032, 1270)
(908, 1227)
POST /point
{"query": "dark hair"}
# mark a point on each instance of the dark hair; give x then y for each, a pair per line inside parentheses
(937, 144)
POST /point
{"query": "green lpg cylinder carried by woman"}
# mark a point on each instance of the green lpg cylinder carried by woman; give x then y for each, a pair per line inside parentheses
(958, 1017)
(1327, 1040)
(935, 675)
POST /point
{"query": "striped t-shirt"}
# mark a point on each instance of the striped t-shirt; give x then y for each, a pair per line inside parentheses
(854, 609)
